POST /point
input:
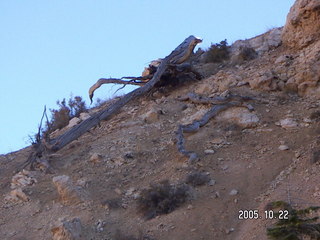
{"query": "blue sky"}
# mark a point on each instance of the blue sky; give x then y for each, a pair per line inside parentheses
(50, 49)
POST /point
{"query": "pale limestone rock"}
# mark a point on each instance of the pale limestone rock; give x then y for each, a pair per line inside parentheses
(151, 116)
(259, 44)
(303, 24)
(68, 192)
(209, 151)
(265, 81)
(240, 116)
(22, 179)
(233, 192)
(84, 116)
(288, 123)
(96, 158)
(16, 195)
(74, 121)
(283, 147)
(68, 230)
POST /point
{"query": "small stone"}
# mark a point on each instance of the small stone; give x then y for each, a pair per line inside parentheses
(130, 191)
(118, 191)
(100, 225)
(211, 182)
(95, 158)
(16, 195)
(193, 230)
(209, 151)
(233, 192)
(225, 167)
(288, 123)
(190, 207)
(151, 117)
(283, 147)
(307, 120)
(230, 230)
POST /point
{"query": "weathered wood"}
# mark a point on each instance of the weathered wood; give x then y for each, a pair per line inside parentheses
(219, 104)
(133, 81)
(175, 56)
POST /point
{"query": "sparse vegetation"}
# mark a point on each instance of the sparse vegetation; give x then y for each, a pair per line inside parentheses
(60, 117)
(162, 198)
(196, 178)
(246, 54)
(217, 52)
(299, 224)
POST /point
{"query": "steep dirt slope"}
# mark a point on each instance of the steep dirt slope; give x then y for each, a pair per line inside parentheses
(135, 154)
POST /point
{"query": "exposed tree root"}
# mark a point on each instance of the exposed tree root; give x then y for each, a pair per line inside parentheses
(220, 104)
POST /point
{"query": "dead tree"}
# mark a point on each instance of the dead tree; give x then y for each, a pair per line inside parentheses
(177, 56)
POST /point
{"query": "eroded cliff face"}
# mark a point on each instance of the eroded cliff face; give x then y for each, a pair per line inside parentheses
(301, 34)
(288, 58)
(303, 24)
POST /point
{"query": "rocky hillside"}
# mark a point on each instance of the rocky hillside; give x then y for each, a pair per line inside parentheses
(126, 180)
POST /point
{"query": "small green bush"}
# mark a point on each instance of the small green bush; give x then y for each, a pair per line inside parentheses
(162, 198)
(298, 224)
(218, 52)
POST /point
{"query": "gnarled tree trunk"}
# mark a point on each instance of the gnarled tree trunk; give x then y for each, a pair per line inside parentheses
(179, 55)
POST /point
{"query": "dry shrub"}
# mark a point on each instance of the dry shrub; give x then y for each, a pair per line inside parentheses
(218, 52)
(60, 117)
(246, 54)
(196, 178)
(162, 198)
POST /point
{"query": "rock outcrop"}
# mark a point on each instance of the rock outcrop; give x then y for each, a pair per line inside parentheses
(68, 192)
(303, 24)
(67, 230)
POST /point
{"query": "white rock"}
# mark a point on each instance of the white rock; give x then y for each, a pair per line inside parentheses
(209, 151)
(288, 123)
(283, 147)
(233, 192)
(74, 121)
(211, 182)
(84, 116)
(240, 116)
(95, 158)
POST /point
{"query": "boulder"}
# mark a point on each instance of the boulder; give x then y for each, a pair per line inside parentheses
(240, 116)
(68, 192)
(67, 230)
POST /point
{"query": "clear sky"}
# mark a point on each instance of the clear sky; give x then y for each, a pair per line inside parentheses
(50, 49)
